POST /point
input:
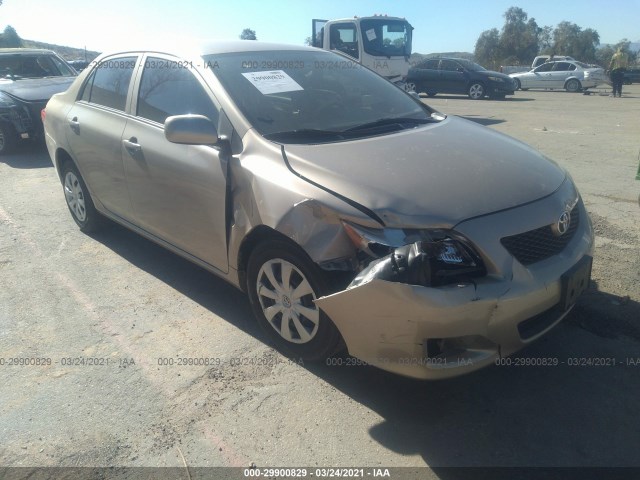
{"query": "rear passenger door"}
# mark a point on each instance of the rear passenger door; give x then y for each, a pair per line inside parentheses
(452, 77)
(560, 72)
(425, 75)
(177, 191)
(95, 125)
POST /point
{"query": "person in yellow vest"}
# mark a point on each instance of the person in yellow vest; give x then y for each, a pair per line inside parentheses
(617, 67)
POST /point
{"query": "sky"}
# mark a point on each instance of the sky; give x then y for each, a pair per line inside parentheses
(439, 26)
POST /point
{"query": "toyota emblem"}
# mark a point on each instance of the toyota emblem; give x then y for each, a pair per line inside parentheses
(563, 224)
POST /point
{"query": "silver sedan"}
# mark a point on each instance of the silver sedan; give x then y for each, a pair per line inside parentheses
(353, 215)
(569, 75)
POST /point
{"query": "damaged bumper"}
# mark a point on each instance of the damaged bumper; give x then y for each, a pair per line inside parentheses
(434, 332)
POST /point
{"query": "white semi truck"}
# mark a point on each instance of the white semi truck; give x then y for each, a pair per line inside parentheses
(380, 43)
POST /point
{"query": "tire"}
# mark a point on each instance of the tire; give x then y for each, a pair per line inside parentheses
(573, 86)
(518, 84)
(79, 199)
(278, 269)
(8, 138)
(476, 91)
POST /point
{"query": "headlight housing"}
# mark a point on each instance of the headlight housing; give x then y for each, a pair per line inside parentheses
(496, 79)
(429, 258)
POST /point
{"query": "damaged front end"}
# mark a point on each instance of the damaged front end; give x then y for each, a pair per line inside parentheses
(413, 308)
(440, 259)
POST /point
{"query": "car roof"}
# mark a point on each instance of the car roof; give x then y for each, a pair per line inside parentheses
(232, 46)
(212, 47)
(28, 51)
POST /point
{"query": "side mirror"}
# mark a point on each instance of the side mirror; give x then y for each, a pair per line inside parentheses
(190, 130)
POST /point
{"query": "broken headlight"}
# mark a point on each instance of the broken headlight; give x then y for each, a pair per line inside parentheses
(435, 258)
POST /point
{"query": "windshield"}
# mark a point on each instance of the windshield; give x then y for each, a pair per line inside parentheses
(20, 65)
(314, 94)
(469, 65)
(381, 36)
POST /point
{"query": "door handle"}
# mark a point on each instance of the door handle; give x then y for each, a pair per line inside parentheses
(75, 125)
(132, 146)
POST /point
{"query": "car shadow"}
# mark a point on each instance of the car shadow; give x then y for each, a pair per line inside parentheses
(483, 120)
(567, 412)
(28, 155)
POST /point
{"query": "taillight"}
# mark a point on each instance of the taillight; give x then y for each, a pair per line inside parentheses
(43, 114)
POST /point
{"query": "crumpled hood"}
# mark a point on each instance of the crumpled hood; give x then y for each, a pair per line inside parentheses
(34, 89)
(434, 175)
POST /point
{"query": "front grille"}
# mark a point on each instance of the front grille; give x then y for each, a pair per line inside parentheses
(541, 243)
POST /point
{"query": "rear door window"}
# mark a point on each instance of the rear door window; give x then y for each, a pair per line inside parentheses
(109, 82)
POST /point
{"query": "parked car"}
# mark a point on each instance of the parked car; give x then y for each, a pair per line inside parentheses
(457, 75)
(28, 79)
(632, 75)
(570, 75)
(351, 213)
(79, 65)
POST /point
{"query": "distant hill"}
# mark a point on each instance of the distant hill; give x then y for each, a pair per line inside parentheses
(68, 53)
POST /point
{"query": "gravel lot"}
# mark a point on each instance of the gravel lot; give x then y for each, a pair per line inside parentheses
(137, 309)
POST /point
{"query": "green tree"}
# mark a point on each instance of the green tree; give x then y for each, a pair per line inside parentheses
(519, 37)
(248, 34)
(570, 39)
(10, 38)
(604, 54)
(488, 51)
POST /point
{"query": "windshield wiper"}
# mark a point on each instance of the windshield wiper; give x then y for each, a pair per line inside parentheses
(304, 133)
(382, 122)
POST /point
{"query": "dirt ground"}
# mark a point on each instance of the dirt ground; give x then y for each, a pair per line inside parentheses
(97, 333)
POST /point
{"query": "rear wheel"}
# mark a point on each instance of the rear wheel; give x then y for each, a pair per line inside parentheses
(79, 200)
(476, 91)
(8, 138)
(573, 86)
(283, 283)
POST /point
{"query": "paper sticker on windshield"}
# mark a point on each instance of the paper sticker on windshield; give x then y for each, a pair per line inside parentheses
(371, 34)
(276, 81)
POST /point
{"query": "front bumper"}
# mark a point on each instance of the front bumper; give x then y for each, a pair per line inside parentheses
(22, 118)
(441, 332)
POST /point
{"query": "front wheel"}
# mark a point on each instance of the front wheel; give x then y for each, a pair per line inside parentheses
(283, 283)
(8, 138)
(476, 91)
(518, 84)
(79, 200)
(573, 86)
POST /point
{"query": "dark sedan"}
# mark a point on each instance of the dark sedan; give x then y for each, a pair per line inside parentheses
(457, 75)
(28, 79)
